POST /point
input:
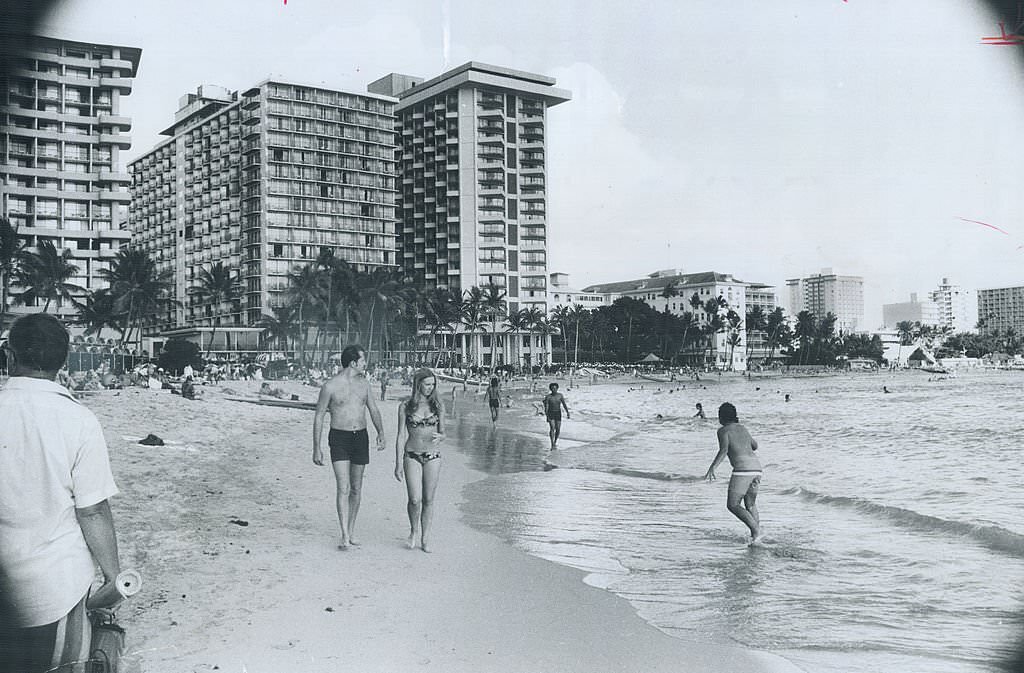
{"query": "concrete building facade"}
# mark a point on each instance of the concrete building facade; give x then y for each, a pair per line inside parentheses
(1000, 309)
(61, 138)
(925, 312)
(828, 292)
(472, 203)
(264, 181)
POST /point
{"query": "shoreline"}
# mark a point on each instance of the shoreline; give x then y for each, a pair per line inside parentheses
(276, 595)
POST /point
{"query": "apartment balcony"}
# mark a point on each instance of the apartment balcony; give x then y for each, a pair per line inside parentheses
(534, 231)
(122, 84)
(491, 268)
(491, 230)
(121, 64)
(123, 123)
(532, 244)
(531, 134)
(122, 140)
(491, 102)
(492, 178)
(107, 175)
(531, 185)
(492, 204)
(531, 110)
(533, 196)
(531, 158)
(491, 150)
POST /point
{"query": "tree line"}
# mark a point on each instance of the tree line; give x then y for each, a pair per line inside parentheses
(328, 303)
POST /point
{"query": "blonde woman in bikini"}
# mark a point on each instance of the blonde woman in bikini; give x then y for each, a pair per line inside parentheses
(735, 442)
(421, 417)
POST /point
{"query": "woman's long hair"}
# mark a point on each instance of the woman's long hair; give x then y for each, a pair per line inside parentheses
(433, 400)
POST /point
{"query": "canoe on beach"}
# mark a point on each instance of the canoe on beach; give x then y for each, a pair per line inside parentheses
(453, 379)
(291, 404)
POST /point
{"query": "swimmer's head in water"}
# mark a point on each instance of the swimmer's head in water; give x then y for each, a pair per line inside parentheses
(553, 387)
(699, 406)
(727, 414)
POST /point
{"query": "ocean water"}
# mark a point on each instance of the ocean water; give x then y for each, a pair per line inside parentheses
(894, 521)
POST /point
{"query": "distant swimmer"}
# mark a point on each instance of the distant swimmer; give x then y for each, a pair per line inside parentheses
(700, 411)
(554, 402)
(787, 397)
(885, 390)
(736, 442)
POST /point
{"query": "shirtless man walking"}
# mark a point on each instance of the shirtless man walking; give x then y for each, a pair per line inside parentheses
(347, 398)
(736, 442)
(554, 402)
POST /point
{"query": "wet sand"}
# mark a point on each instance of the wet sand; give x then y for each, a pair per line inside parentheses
(235, 533)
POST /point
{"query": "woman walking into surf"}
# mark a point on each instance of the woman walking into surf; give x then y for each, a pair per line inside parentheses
(421, 416)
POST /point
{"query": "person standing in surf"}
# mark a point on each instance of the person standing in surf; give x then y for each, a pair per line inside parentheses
(493, 398)
(735, 442)
(554, 402)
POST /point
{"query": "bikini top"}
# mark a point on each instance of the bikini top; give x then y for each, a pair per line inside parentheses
(421, 422)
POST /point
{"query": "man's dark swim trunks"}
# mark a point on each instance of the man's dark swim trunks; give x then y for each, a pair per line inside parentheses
(351, 445)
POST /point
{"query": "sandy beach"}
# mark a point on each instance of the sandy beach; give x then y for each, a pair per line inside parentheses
(234, 531)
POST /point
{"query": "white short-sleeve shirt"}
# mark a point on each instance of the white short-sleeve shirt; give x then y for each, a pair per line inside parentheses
(53, 458)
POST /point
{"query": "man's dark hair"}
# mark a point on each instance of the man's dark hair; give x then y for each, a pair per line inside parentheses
(39, 341)
(553, 387)
(727, 413)
(351, 354)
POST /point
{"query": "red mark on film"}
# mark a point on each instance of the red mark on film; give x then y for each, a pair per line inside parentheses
(985, 224)
(1003, 37)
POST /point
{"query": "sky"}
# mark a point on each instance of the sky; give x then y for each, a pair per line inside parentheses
(769, 140)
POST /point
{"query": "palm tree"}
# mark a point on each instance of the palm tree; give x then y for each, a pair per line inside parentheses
(217, 285)
(905, 331)
(139, 290)
(472, 316)
(734, 327)
(11, 247)
(544, 328)
(669, 291)
(279, 325)
(98, 311)
(533, 316)
(804, 332)
(715, 324)
(774, 322)
(560, 315)
(496, 309)
(515, 324)
(688, 322)
(380, 287)
(757, 322)
(304, 283)
(45, 274)
(576, 314)
(440, 312)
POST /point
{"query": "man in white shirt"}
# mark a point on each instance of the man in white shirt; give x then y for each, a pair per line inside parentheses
(55, 521)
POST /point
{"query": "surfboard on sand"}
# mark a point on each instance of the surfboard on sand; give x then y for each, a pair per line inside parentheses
(290, 404)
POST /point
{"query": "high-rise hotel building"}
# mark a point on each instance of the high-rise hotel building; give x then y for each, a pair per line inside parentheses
(1001, 309)
(61, 138)
(828, 292)
(472, 203)
(263, 181)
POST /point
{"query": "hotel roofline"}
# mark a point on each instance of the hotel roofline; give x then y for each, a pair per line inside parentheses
(17, 44)
(474, 72)
(657, 282)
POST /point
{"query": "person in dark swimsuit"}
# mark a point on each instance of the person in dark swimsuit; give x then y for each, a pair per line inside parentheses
(494, 398)
(554, 402)
(421, 418)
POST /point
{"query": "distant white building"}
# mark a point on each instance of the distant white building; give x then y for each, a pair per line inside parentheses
(827, 292)
(560, 293)
(740, 296)
(952, 302)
